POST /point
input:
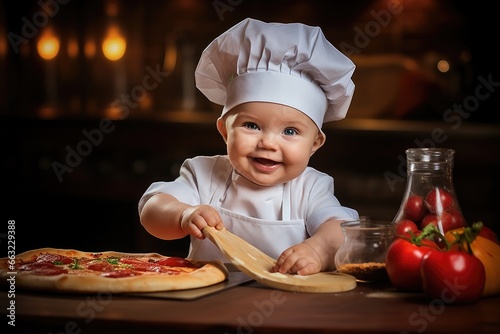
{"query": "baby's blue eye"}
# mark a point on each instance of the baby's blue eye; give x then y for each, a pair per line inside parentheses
(290, 131)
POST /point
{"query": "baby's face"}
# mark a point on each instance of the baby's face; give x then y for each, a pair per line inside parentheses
(269, 143)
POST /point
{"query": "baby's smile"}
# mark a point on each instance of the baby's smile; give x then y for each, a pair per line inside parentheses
(265, 162)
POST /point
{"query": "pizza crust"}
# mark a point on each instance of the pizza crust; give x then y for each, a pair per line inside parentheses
(209, 273)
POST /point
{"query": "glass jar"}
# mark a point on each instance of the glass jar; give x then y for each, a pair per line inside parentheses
(430, 197)
(363, 252)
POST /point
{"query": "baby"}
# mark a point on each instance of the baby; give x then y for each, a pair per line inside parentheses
(278, 84)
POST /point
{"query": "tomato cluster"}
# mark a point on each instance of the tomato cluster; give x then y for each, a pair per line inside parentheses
(438, 208)
(403, 259)
(415, 262)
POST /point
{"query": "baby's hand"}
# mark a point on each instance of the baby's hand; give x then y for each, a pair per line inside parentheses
(195, 218)
(299, 259)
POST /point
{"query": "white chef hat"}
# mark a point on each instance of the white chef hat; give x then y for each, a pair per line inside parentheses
(291, 64)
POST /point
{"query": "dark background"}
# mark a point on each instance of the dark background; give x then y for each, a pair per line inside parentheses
(94, 206)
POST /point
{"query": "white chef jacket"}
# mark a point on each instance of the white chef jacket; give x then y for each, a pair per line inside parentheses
(271, 218)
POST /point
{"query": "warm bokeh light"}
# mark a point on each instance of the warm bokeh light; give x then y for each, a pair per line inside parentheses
(48, 45)
(72, 47)
(114, 44)
(170, 55)
(47, 113)
(114, 113)
(443, 66)
(146, 102)
(89, 48)
(3, 43)
(112, 8)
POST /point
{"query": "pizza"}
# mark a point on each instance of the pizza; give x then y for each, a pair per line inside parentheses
(70, 270)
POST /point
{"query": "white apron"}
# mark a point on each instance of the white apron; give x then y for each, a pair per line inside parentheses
(270, 236)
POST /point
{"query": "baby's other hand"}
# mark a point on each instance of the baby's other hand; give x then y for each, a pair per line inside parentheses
(195, 218)
(299, 259)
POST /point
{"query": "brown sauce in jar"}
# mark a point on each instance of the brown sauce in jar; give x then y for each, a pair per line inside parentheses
(365, 272)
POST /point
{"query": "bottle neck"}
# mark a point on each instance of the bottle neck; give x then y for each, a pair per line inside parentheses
(430, 167)
(430, 160)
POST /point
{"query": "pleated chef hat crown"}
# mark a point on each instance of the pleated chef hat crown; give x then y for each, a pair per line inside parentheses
(291, 64)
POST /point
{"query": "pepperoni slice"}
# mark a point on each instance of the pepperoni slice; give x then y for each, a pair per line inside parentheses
(147, 267)
(101, 266)
(176, 262)
(42, 268)
(163, 266)
(132, 260)
(155, 268)
(36, 265)
(120, 273)
(54, 258)
(140, 265)
(84, 261)
(152, 268)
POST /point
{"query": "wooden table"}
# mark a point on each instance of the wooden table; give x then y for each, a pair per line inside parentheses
(251, 308)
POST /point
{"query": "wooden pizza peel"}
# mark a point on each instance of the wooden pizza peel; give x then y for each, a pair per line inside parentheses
(258, 266)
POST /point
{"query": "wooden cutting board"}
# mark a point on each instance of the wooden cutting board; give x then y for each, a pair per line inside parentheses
(258, 265)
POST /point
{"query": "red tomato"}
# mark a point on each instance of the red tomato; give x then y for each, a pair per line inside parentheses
(453, 276)
(457, 219)
(487, 233)
(403, 262)
(405, 226)
(438, 200)
(444, 219)
(414, 208)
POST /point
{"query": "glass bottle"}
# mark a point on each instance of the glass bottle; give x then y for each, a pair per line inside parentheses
(363, 252)
(430, 196)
